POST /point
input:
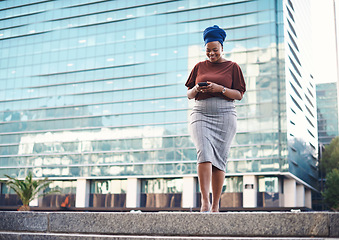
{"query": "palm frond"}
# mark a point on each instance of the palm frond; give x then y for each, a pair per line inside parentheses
(16, 188)
(28, 188)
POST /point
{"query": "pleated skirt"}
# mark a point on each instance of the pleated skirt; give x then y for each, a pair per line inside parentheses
(213, 126)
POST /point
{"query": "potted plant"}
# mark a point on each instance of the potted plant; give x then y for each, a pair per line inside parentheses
(28, 189)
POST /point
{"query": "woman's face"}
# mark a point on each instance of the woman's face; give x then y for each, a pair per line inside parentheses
(214, 51)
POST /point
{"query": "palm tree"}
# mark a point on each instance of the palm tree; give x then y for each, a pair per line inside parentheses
(28, 189)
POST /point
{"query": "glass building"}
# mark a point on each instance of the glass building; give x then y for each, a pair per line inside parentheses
(92, 96)
(327, 105)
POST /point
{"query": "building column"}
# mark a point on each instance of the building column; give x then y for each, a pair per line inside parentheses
(133, 193)
(300, 195)
(1, 195)
(250, 191)
(281, 191)
(189, 192)
(290, 192)
(82, 193)
(308, 198)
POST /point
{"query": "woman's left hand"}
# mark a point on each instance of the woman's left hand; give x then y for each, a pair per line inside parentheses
(213, 87)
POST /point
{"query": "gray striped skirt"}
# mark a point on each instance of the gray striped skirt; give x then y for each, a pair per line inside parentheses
(212, 128)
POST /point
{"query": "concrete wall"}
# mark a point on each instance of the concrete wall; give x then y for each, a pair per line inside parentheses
(235, 224)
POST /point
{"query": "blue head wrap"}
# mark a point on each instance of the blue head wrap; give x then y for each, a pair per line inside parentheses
(214, 33)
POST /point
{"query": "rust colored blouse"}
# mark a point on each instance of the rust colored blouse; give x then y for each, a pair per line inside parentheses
(227, 74)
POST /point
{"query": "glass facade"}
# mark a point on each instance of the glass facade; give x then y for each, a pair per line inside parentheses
(8, 196)
(268, 191)
(232, 192)
(108, 193)
(327, 105)
(161, 193)
(95, 89)
(300, 110)
(65, 198)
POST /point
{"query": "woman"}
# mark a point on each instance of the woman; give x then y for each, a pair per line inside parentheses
(213, 119)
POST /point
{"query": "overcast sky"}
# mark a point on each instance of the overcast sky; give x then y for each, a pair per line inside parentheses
(324, 40)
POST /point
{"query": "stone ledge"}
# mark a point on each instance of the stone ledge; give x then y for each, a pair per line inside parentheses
(194, 224)
(334, 224)
(66, 236)
(230, 224)
(24, 221)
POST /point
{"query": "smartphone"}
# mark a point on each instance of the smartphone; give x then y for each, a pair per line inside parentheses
(201, 84)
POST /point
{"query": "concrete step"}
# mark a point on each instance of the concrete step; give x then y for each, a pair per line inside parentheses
(171, 225)
(64, 236)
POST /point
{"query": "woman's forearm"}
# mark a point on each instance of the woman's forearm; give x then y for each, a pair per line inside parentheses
(233, 94)
(191, 93)
(228, 92)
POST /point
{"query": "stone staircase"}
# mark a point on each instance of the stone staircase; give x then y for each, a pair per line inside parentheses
(168, 225)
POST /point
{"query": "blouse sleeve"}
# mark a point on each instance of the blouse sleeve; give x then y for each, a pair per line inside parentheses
(238, 79)
(191, 79)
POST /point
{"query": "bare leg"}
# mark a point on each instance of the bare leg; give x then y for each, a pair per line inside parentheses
(218, 178)
(204, 175)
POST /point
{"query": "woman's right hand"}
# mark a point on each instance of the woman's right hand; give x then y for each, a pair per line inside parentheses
(191, 93)
(200, 88)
